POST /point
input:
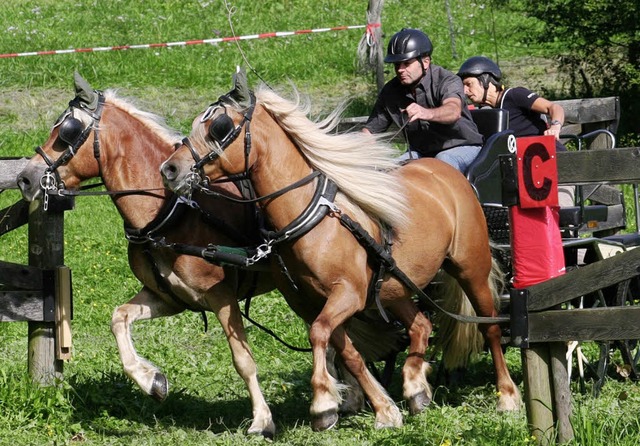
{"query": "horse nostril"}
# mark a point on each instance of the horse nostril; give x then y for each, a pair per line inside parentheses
(169, 171)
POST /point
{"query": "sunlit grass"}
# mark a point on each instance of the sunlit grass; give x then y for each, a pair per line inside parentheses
(208, 404)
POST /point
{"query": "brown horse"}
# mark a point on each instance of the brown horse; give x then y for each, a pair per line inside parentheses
(126, 150)
(128, 147)
(436, 219)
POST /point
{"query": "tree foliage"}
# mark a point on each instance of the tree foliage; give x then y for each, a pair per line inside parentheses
(599, 46)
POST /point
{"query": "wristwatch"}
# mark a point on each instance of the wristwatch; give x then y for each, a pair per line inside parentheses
(556, 122)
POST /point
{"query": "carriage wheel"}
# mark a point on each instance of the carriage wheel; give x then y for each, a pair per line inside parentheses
(618, 359)
(629, 348)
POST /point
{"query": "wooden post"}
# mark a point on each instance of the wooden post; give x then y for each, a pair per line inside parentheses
(46, 250)
(374, 15)
(538, 392)
(561, 391)
(537, 257)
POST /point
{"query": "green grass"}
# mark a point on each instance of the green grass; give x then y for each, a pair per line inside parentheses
(96, 404)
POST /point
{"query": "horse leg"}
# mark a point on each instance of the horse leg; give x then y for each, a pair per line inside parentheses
(144, 305)
(415, 387)
(387, 413)
(324, 407)
(481, 297)
(228, 313)
(352, 395)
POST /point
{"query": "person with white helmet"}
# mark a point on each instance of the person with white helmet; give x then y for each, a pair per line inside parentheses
(427, 102)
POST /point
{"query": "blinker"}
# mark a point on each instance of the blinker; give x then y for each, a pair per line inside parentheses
(221, 128)
(70, 130)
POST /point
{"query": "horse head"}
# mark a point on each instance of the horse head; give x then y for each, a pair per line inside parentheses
(215, 132)
(50, 170)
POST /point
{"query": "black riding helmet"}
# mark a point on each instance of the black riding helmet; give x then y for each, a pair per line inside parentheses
(408, 44)
(483, 68)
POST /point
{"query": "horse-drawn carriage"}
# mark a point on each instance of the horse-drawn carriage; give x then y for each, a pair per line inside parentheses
(591, 231)
(302, 265)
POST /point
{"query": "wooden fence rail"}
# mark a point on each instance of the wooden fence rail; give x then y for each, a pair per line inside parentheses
(38, 293)
(542, 329)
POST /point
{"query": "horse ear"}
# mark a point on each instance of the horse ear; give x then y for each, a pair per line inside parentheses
(84, 92)
(241, 92)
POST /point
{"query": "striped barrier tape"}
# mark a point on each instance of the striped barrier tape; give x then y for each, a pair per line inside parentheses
(369, 32)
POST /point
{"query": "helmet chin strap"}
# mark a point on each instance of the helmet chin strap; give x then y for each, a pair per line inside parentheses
(484, 97)
(424, 73)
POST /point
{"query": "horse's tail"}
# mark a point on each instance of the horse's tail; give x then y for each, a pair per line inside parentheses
(460, 341)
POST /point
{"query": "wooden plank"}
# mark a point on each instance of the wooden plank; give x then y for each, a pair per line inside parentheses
(590, 109)
(599, 166)
(24, 277)
(20, 306)
(63, 313)
(576, 111)
(46, 250)
(584, 280)
(14, 216)
(9, 170)
(593, 324)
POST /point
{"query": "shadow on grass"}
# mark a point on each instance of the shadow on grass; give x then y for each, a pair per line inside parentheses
(113, 405)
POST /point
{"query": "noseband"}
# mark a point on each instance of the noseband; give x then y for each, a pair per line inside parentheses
(72, 133)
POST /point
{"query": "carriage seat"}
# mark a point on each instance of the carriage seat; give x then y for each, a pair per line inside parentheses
(490, 120)
(484, 171)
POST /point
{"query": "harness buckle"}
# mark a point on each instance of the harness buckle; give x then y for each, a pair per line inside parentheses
(334, 210)
(47, 183)
(262, 251)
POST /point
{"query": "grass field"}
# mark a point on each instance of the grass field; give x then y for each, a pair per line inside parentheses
(96, 404)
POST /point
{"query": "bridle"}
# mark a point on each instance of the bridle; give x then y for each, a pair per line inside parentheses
(74, 134)
(223, 132)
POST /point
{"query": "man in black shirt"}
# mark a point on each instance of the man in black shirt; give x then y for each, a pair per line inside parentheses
(529, 113)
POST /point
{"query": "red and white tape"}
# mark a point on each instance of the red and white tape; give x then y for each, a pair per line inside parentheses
(369, 28)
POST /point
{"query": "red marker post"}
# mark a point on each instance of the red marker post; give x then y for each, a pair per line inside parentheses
(535, 232)
(537, 255)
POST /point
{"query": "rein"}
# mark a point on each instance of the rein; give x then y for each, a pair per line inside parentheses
(321, 205)
(84, 191)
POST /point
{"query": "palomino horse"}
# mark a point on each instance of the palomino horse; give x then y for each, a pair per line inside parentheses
(128, 147)
(435, 218)
(126, 150)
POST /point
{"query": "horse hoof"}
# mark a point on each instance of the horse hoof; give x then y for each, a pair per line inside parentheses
(266, 429)
(418, 402)
(265, 433)
(324, 421)
(160, 387)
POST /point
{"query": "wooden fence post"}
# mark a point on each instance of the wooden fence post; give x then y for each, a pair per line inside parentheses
(46, 250)
(538, 392)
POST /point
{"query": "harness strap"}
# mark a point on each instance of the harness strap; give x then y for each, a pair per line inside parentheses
(162, 284)
(317, 209)
(165, 215)
(377, 250)
(378, 275)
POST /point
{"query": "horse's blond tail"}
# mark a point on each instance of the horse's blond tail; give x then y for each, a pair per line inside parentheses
(460, 341)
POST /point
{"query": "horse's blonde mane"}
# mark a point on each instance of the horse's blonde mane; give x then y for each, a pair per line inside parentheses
(153, 122)
(362, 165)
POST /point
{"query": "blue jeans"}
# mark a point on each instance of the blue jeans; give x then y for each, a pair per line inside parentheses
(459, 157)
